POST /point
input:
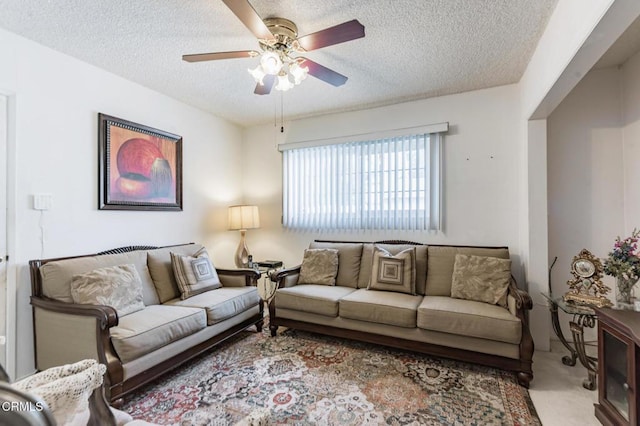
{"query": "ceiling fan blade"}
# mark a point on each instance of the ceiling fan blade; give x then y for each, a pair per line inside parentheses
(265, 89)
(325, 74)
(247, 14)
(199, 57)
(339, 34)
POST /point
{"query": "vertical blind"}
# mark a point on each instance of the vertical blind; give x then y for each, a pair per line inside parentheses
(391, 183)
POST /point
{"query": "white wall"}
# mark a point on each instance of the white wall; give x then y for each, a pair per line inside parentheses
(57, 99)
(577, 34)
(569, 27)
(480, 171)
(586, 174)
(631, 143)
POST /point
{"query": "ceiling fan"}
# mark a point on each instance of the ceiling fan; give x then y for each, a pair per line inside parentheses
(280, 47)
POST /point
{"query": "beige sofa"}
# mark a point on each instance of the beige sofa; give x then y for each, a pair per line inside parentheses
(431, 321)
(139, 346)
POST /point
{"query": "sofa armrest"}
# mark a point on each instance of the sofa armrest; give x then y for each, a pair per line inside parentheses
(85, 329)
(287, 277)
(522, 298)
(238, 277)
(522, 303)
(106, 316)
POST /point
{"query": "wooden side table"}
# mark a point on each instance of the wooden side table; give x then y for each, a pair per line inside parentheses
(619, 370)
(582, 317)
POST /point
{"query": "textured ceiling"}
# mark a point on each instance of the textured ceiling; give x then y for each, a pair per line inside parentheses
(413, 49)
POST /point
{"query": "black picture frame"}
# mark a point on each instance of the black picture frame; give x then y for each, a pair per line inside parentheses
(139, 167)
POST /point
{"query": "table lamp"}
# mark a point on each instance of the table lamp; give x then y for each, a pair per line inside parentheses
(242, 218)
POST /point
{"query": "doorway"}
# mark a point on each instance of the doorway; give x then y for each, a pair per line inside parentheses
(4, 110)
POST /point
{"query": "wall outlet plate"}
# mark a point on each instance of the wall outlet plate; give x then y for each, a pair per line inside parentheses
(42, 201)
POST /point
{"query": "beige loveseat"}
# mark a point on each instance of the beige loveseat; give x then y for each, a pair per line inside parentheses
(139, 346)
(431, 321)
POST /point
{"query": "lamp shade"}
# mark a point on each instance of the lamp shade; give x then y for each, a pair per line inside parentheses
(243, 217)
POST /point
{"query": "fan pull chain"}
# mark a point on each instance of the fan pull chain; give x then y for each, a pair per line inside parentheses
(281, 112)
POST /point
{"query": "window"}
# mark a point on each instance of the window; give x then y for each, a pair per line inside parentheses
(389, 183)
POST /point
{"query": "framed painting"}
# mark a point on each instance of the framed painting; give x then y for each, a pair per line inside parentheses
(140, 168)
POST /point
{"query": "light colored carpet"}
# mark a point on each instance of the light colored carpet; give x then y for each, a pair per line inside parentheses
(557, 391)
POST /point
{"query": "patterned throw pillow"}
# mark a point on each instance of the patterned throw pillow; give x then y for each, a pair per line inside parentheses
(319, 266)
(117, 286)
(394, 273)
(481, 278)
(194, 274)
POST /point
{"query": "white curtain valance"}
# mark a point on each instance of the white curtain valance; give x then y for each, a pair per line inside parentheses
(395, 133)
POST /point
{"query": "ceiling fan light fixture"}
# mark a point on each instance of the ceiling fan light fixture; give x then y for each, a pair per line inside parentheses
(284, 83)
(298, 72)
(270, 63)
(258, 74)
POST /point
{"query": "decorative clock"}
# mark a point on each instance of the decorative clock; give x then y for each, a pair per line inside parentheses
(586, 286)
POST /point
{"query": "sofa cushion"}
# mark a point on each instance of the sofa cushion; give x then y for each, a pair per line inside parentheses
(116, 286)
(469, 318)
(153, 327)
(316, 299)
(222, 303)
(381, 307)
(319, 266)
(349, 257)
(481, 278)
(194, 274)
(57, 275)
(394, 272)
(159, 262)
(367, 263)
(440, 265)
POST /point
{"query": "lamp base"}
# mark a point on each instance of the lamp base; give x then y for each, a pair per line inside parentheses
(242, 253)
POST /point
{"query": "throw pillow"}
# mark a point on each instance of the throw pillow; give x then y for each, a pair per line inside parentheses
(117, 286)
(194, 274)
(319, 266)
(481, 278)
(393, 273)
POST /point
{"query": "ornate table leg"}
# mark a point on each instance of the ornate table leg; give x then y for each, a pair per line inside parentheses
(589, 362)
(566, 360)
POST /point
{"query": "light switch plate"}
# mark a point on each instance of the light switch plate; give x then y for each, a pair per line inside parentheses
(42, 201)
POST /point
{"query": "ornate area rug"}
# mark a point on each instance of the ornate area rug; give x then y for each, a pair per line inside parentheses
(309, 379)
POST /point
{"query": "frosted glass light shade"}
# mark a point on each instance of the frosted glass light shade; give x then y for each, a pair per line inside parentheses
(257, 74)
(298, 72)
(284, 83)
(270, 63)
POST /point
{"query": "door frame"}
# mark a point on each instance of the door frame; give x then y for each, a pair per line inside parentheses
(10, 319)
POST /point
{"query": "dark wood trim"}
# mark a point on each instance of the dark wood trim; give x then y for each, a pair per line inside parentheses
(34, 265)
(503, 363)
(407, 242)
(106, 315)
(282, 273)
(251, 275)
(627, 321)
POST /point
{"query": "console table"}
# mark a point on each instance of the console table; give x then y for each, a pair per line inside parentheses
(619, 354)
(582, 316)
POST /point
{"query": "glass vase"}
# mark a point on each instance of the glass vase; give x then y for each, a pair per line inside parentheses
(624, 292)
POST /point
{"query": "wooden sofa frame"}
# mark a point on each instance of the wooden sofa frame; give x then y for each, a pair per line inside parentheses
(524, 303)
(106, 317)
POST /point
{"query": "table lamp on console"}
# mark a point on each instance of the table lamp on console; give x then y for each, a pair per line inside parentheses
(241, 218)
